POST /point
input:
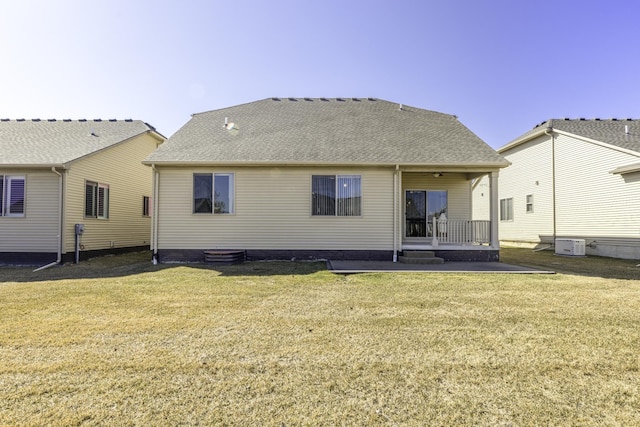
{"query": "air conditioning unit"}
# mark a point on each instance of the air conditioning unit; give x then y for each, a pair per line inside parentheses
(571, 247)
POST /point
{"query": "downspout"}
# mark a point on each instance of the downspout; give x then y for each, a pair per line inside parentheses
(549, 132)
(395, 214)
(60, 219)
(154, 219)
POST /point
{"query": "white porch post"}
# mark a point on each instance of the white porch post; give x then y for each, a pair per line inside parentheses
(494, 209)
(399, 211)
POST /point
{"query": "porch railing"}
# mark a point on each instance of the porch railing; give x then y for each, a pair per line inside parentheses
(462, 232)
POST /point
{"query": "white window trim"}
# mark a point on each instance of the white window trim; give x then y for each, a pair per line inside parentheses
(232, 191)
(6, 196)
(509, 210)
(106, 202)
(529, 203)
(337, 179)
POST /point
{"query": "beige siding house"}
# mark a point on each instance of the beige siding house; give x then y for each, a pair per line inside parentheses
(58, 173)
(574, 179)
(338, 178)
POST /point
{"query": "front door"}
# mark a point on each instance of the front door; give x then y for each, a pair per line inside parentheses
(415, 213)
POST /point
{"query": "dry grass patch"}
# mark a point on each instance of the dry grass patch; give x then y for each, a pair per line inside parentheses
(292, 344)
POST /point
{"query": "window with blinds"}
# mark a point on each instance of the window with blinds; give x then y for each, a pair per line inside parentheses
(12, 195)
(96, 200)
(336, 195)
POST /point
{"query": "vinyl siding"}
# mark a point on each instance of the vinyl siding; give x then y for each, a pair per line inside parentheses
(37, 231)
(273, 211)
(481, 200)
(529, 173)
(129, 180)
(590, 201)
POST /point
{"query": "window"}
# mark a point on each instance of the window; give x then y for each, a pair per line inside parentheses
(146, 206)
(96, 200)
(336, 195)
(12, 193)
(213, 193)
(506, 209)
(529, 203)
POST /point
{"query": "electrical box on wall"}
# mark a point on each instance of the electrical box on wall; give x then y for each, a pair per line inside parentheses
(79, 229)
(570, 247)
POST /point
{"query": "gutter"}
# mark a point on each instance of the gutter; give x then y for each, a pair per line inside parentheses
(154, 219)
(448, 167)
(60, 219)
(549, 132)
(634, 167)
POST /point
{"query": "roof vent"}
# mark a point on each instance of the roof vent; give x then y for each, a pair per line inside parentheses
(292, 99)
(230, 126)
(324, 99)
(94, 134)
(308, 99)
(626, 129)
(82, 120)
(371, 99)
(340, 99)
(355, 99)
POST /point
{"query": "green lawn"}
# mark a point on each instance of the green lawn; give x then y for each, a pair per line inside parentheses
(118, 341)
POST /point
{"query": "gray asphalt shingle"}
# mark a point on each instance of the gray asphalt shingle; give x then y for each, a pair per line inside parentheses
(325, 130)
(623, 133)
(57, 142)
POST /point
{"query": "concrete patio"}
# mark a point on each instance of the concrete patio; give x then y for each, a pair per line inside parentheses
(351, 267)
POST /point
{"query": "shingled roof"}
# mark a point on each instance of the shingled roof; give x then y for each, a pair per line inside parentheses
(57, 142)
(325, 131)
(623, 133)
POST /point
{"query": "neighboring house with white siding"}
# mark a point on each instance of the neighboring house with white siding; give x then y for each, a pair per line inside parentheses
(338, 178)
(574, 179)
(58, 173)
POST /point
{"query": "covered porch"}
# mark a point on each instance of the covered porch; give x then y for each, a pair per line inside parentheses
(437, 211)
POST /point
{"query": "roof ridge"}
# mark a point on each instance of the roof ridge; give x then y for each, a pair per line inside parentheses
(68, 120)
(583, 119)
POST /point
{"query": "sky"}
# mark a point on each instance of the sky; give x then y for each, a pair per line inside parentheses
(500, 66)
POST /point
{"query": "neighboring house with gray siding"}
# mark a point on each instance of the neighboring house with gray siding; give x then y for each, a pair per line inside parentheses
(338, 178)
(58, 173)
(574, 179)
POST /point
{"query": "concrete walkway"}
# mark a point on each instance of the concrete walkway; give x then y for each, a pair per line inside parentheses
(351, 267)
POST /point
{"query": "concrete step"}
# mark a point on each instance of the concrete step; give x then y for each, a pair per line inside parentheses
(425, 261)
(420, 257)
(419, 254)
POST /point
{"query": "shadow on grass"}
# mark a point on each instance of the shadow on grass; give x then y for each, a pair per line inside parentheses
(139, 263)
(592, 266)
